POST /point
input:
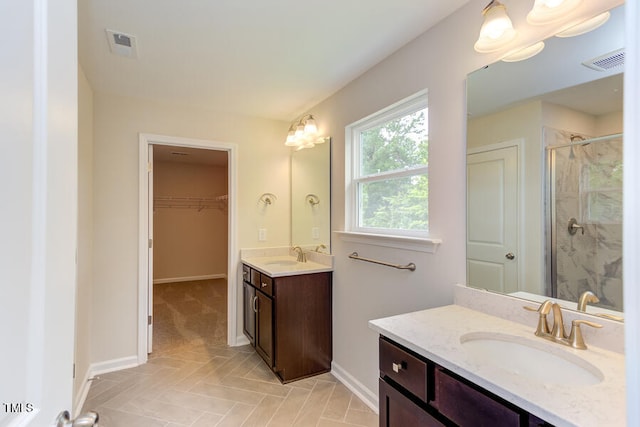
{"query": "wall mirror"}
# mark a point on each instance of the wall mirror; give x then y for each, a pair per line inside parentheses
(311, 197)
(544, 172)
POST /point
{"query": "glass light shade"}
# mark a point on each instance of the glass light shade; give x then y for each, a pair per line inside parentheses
(547, 11)
(525, 53)
(299, 130)
(585, 26)
(310, 127)
(291, 139)
(497, 29)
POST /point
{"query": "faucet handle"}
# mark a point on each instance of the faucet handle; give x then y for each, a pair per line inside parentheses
(543, 326)
(576, 340)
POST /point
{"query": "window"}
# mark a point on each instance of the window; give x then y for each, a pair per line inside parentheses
(387, 179)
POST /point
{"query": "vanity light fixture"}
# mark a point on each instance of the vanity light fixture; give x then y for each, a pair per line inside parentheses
(547, 11)
(303, 133)
(585, 26)
(526, 53)
(497, 29)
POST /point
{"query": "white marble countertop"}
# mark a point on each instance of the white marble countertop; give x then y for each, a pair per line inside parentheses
(435, 334)
(279, 266)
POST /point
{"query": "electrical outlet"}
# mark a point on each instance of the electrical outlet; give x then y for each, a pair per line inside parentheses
(262, 234)
(315, 233)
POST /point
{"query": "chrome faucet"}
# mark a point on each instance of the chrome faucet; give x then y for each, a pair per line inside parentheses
(557, 332)
(302, 257)
(585, 298)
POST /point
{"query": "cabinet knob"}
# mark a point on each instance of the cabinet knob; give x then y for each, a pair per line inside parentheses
(264, 285)
(397, 367)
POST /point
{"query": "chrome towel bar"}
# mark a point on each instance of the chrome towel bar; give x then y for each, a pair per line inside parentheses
(411, 266)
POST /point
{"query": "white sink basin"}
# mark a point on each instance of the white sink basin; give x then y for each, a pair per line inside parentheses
(537, 361)
(282, 262)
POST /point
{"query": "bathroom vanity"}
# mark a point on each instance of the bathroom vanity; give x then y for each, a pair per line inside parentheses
(415, 391)
(287, 315)
(456, 366)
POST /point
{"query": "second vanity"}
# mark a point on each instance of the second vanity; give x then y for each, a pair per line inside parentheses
(454, 365)
(287, 312)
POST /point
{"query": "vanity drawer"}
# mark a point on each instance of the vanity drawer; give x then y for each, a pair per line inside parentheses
(266, 284)
(404, 368)
(466, 406)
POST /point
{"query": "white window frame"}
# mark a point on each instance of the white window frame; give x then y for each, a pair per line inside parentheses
(402, 108)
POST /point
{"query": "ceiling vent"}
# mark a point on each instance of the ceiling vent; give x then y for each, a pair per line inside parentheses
(606, 62)
(122, 44)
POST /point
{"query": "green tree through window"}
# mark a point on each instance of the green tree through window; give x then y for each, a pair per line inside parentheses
(390, 171)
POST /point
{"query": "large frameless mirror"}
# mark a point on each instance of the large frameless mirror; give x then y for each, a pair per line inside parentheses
(544, 172)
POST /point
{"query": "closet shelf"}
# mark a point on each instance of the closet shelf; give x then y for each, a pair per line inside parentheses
(199, 203)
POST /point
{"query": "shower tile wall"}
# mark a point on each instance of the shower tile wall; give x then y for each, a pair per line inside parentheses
(588, 187)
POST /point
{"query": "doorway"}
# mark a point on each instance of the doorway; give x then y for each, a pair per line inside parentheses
(179, 201)
(189, 247)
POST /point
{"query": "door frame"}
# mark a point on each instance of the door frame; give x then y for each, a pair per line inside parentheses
(520, 227)
(146, 139)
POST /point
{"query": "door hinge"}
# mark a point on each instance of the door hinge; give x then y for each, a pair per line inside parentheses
(150, 243)
(74, 371)
(150, 320)
(149, 167)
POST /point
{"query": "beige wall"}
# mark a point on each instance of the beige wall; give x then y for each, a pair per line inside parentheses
(85, 234)
(189, 242)
(263, 167)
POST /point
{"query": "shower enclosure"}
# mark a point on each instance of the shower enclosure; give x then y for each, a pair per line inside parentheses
(584, 217)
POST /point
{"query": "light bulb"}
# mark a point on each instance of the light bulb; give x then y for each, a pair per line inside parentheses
(497, 29)
(310, 127)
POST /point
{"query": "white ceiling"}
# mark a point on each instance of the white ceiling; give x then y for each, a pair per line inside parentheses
(263, 58)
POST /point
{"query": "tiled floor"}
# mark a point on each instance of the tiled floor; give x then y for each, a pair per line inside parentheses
(195, 381)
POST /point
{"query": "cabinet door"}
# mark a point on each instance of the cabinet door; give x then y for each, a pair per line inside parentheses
(249, 304)
(264, 327)
(302, 325)
(396, 410)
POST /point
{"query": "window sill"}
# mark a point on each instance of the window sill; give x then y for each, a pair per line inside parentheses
(429, 245)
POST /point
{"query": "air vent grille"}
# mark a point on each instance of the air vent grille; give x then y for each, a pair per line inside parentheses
(606, 62)
(122, 44)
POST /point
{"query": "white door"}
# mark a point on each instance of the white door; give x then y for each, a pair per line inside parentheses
(492, 219)
(38, 218)
(150, 264)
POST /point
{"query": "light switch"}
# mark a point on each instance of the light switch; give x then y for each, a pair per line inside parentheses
(315, 233)
(262, 234)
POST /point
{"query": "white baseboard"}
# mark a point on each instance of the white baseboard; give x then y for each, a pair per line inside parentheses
(99, 369)
(190, 278)
(112, 365)
(356, 387)
(241, 340)
(81, 397)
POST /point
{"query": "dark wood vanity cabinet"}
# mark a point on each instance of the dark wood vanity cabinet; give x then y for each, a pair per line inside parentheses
(288, 321)
(415, 391)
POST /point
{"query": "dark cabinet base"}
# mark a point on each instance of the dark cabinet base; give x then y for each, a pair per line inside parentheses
(415, 391)
(292, 317)
(397, 410)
